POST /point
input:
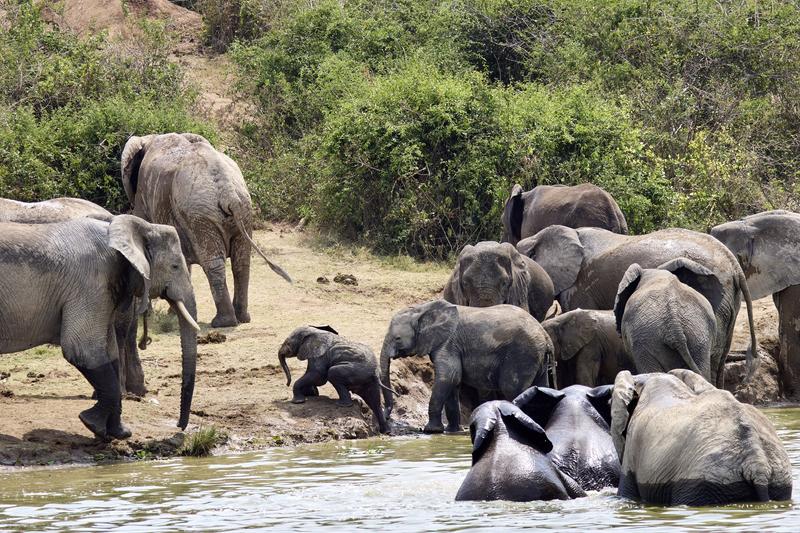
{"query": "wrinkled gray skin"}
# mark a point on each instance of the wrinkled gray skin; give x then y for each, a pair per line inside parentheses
(683, 442)
(768, 247)
(67, 283)
(577, 206)
(664, 322)
(348, 365)
(587, 265)
(499, 350)
(181, 180)
(510, 459)
(576, 420)
(588, 349)
(490, 273)
(49, 211)
(131, 375)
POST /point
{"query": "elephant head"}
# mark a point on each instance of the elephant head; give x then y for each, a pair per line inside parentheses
(500, 417)
(559, 251)
(513, 214)
(487, 274)
(417, 330)
(159, 270)
(540, 402)
(570, 333)
(305, 343)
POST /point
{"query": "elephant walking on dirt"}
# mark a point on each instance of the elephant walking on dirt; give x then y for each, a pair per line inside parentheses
(181, 180)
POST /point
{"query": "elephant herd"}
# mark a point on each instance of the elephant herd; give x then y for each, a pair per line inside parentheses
(638, 347)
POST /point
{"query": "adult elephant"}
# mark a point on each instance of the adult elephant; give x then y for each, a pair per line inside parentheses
(587, 265)
(66, 283)
(576, 206)
(181, 180)
(588, 349)
(131, 375)
(768, 247)
(682, 442)
(492, 273)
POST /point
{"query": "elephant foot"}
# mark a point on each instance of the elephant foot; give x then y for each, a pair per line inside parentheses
(243, 317)
(433, 428)
(221, 321)
(453, 428)
(118, 431)
(344, 403)
(95, 419)
(298, 399)
(135, 390)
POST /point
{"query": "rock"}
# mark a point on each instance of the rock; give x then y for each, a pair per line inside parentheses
(763, 388)
(4, 375)
(212, 337)
(345, 279)
(323, 280)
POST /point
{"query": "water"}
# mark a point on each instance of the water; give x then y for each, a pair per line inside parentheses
(401, 484)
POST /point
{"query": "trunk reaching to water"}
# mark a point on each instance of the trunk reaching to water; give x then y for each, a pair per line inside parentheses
(188, 358)
(387, 352)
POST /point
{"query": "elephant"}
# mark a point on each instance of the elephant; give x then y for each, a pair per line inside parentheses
(585, 205)
(490, 273)
(664, 322)
(348, 365)
(767, 246)
(577, 421)
(181, 180)
(492, 350)
(510, 459)
(131, 374)
(66, 283)
(588, 349)
(683, 442)
(587, 265)
(49, 211)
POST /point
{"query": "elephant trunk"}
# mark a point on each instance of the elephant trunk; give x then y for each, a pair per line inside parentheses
(753, 360)
(282, 354)
(188, 355)
(387, 352)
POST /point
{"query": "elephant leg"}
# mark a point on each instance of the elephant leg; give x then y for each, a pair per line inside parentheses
(240, 264)
(452, 408)
(442, 391)
(310, 390)
(339, 376)
(788, 303)
(215, 272)
(311, 378)
(371, 394)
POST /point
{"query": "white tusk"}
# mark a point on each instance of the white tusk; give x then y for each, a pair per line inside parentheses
(186, 315)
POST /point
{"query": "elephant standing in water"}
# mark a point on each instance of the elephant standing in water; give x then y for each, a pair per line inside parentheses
(66, 283)
(587, 265)
(181, 180)
(490, 273)
(577, 206)
(683, 442)
(510, 459)
(768, 247)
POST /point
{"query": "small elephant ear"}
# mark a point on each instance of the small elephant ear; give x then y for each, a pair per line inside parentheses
(326, 327)
(435, 326)
(130, 161)
(600, 398)
(628, 285)
(452, 289)
(623, 402)
(513, 214)
(575, 334)
(559, 251)
(699, 277)
(516, 420)
(311, 346)
(481, 428)
(693, 380)
(127, 235)
(539, 403)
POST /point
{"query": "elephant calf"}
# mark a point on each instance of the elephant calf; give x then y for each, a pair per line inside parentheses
(588, 349)
(577, 420)
(664, 322)
(510, 459)
(683, 442)
(348, 365)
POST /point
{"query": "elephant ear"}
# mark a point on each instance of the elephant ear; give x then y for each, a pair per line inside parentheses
(520, 292)
(623, 403)
(435, 325)
(127, 234)
(531, 432)
(481, 429)
(574, 335)
(452, 289)
(312, 345)
(600, 398)
(326, 327)
(513, 214)
(539, 403)
(130, 161)
(558, 250)
(628, 285)
(698, 277)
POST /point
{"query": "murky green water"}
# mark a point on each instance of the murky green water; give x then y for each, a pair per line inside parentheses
(401, 484)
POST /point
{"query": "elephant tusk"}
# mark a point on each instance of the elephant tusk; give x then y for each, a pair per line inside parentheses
(186, 315)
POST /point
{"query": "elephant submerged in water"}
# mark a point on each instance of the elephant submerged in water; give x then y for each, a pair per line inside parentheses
(67, 283)
(587, 265)
(510, 459)
(683, 442)
(181, 180)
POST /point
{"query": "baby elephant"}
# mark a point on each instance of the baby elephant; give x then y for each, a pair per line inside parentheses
(349, 366)
(664, 318)
(510, 459)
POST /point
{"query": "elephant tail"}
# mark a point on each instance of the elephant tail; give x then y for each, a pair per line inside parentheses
(384, 387)
(753, 360)
(238, 218)
(681, 346)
